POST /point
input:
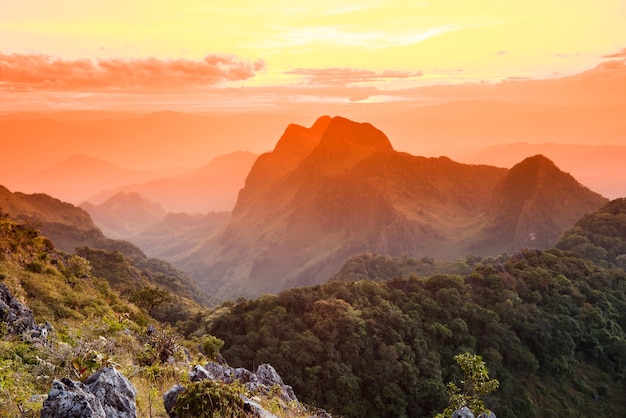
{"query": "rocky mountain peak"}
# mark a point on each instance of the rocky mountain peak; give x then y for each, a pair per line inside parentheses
(345, 143)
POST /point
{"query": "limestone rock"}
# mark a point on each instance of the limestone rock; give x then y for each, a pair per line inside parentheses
(169, 399)
(254, 409)
(105, 394)
(262, 382)
(71, 399)
(114, 391)
(463, 413)
(18, 317)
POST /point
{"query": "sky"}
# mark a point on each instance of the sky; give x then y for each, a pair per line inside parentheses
(200, 55)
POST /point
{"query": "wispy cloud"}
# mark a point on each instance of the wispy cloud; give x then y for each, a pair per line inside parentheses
(287, 37)
(620, 54)
(45, 72)
(349, 76)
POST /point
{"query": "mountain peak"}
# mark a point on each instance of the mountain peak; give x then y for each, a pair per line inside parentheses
(346, 142)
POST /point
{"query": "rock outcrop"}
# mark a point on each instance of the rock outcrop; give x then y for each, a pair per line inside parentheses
(465, 412)
(105, 394)
(18, 317)
(264, 381)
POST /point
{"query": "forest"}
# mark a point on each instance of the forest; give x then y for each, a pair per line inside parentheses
(549, 325)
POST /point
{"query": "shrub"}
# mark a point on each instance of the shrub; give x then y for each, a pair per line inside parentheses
(209, 398)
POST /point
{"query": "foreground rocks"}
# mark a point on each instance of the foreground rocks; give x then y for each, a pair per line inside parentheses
(465, 412)
(264, 382)
(17, 316)
(105, 394)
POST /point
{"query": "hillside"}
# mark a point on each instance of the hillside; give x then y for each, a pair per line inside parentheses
(339, 189)
(549, 325)
(72, 230)
(600, 236)
(64, 320)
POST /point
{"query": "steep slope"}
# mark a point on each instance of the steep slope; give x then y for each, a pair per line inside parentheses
(533, 204)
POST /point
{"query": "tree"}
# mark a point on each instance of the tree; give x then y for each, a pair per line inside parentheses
(150, 298)
(475, 384)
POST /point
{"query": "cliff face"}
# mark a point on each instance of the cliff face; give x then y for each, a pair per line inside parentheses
(338, 188)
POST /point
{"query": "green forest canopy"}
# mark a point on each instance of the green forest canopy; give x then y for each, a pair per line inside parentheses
(549, 325)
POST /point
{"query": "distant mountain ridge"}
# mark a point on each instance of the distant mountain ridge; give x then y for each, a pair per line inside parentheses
(337, 189)
(125, 214)
(78, 177)
(212, 187)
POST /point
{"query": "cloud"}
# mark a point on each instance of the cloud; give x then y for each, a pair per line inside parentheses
(45, 72)
(620, 54)
(342, 77)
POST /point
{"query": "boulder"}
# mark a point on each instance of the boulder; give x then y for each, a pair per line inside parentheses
(262, 382)
(463, 413)
(105, 394)
(169, 399)
(254, 409)
(71, 399)
(114, 391)
(18, 317)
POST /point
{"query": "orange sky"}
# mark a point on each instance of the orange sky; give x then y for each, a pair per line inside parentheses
(197, 55)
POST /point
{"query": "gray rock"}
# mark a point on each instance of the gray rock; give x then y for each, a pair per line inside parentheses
(269, 377)
(261, 382)
(18, 317)
(254, 409)
(463, 413)
(114, 391)
(69, 399)
(488, 414)
(198, 373)
(105, 394)
(169, 399)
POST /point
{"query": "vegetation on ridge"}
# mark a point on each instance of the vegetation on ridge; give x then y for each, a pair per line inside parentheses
(93, 326)
(549, 326)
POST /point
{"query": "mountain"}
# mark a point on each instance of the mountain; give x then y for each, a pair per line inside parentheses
(212, 187)
(125, 214)
(533, 204)
(77, 177)
(338, 189)
(599, 167)
(600, 236)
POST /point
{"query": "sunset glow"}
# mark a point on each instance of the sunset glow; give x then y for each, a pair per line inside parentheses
(372, 51)
(437, 77)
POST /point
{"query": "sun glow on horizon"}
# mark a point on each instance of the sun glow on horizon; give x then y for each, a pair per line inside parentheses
(304, 45)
